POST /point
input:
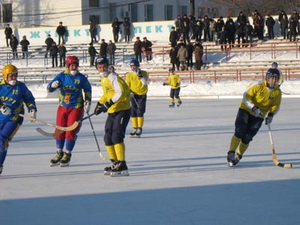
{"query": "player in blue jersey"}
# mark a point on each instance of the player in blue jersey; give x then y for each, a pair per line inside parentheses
(74, 100)
(13, 95)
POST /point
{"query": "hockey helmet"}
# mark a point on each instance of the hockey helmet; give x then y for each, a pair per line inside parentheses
(134, 62)
(101, 60)
(9, 69)
(72, 60)
(273, 73)
(274, 65)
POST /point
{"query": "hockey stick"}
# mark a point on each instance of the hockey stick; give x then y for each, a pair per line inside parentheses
(274, 157)
(89, 117)
(47, 134)
(69, 128)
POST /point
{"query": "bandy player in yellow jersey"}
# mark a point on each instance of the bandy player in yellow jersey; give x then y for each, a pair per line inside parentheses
(261, 101)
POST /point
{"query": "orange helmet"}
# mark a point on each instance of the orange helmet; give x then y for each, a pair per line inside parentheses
(8, 69)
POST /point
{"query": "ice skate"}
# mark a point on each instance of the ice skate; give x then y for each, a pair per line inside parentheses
(108, 169)
(132, 134)
(138, 132)
(119, 169)
(1, 169)
(172, 105)
(179, 103)
(56, 160)
(233, 159)
(65, 161)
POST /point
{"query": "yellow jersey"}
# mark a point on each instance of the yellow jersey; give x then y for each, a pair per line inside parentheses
(138, 83)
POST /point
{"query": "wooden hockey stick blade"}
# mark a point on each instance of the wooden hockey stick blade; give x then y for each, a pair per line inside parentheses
(277, 163)
(47, 134)
(72, 127)
(102, 156)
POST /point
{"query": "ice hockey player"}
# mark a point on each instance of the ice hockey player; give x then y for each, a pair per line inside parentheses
(74, 99)
(174, 81)
(116, 102)
(261, 100)
(13, 95)
(137, 81)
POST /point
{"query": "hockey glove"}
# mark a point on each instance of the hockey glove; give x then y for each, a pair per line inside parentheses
(164, 84)
(87, 106)
(103, 108)
(32, 115)
(55, 84)
(269, 118)
(139, 73)
(5, 110)
(256, 111)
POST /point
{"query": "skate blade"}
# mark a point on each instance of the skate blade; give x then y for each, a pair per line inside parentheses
(54, 164)
(64, 164)
(107, 172)
(231, 164)
(123, 173)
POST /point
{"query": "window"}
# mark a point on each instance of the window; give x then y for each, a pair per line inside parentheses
(182, 9)
(148, 12)
(169, 12)
(133, 12)
(93, 3)
(7, 13)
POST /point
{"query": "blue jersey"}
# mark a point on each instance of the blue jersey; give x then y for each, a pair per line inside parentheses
(72, 88)
(15, 97)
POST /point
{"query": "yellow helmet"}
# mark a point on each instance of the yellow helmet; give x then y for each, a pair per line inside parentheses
(9, 69)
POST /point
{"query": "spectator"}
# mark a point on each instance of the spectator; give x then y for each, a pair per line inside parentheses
(270, 22)
(8, 32)
(24, 43)
(62, 55)
(198, 52)
(103, 48)
(190, 50)
(49, 41)
(178, 25)
(111, 49)
(138, 49)
(240, 31)
(218, 28)
(295, 16)
(147, 48)
(222, 39)
(284, 24)
(173, 58)
(259, 26)
(199, 28)
(206, 23)
(173, 37)
(248, 33)
(14, 42)
(93, 31)
(182, 55)
(293, 29)
(192, 27)
(280, 19)
(231, 30)
(242, 19)
(116, 29)
(92, 52)
(127, 26)
(53, 53)
(185, 27)
(61, 31)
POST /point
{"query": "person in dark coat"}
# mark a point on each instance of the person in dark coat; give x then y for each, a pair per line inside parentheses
(137, 47)
(8, 32)
(206, 23)
(24, 46)
(147, 48)
(259, 26)
(284, 24)
(222, 35)
(280, 19)
(293, 29)
(173, 37)
(173, 58)
(103, 48)
(248, 33)
(93, 31)
(190, 50)
(116, 29)
(199, 29)
(111, 49)
(49, 41)
(61, 31)
(62, 55)
(92, 53)
(14, 42)
(270, 22)
(53, 53)
(127, 26)
(240, 31)
(198, 52)
(231, 30)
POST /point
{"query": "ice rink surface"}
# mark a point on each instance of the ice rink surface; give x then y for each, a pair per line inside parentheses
(178, 172)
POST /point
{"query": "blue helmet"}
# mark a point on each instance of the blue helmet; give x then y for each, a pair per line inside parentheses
(274, 64)
(134, 62)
